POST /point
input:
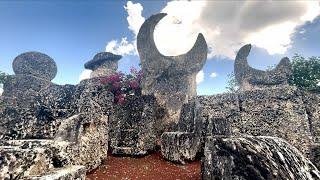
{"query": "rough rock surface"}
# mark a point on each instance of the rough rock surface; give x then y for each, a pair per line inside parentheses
(103, 64)
(17, 162)
(132, 126)
(250, 78)
(254, 158)
(35, 64)
(66, 173)
(87, 141)
(285, 112)
(69, 121)
(183, 144)
(278, 112)
(171, 79)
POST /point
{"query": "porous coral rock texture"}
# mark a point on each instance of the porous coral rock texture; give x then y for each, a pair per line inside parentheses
(71, 119)
(252, 157)
(66, 173)
(132, 126)
(250, 78)
(279, 112)
(103, 64)
(18, 162)
(183, 144)
(171, 79)
(35, 64)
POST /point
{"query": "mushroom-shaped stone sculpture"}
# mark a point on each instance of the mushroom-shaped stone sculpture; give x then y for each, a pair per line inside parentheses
(103, 64)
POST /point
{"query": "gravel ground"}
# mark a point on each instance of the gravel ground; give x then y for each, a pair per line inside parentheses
(144, 168)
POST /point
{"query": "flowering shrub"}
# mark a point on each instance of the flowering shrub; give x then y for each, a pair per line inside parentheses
(123, 85)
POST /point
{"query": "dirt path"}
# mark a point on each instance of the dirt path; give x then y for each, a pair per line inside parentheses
(145, 168)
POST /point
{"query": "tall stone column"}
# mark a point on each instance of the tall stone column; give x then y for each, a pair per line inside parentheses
(171, 79)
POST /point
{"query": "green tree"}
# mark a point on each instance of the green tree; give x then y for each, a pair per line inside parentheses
(306, 72)
(232, 84)
(2, 77)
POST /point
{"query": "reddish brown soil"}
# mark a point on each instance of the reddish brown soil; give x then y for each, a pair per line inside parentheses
(144, 168)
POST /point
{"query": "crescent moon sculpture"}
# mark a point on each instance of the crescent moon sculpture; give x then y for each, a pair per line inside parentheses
(171, 79)
(249, 78)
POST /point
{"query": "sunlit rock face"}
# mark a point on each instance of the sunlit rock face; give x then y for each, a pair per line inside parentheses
(68, 124)
(286, 112)
(254, 157)
(249, 78)
(171, 79)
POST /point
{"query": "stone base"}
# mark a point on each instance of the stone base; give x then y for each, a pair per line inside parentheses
(179, 146)
(128, 151)
(252, 157)
(66, 173)
(24, 158)
(19, 162)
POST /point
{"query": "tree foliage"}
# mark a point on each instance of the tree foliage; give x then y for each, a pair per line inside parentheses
(3, 77)
(232, 84)
(305, 74)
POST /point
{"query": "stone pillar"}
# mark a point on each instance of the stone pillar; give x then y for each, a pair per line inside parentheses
(171, 79)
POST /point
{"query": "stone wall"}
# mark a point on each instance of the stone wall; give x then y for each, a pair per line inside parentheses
(45, 128)
(278, 112)
(133, 126)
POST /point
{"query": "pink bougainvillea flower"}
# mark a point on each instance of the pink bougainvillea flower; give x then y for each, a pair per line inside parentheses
(121, 99)
(116, 85)
(104, 80)
(133, 70)
(121, 85)
(133, 84)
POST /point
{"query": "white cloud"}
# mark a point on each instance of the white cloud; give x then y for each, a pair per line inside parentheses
(122, 48)
(1, 89)
(226, 25)
(200, 77)
(213, 75)
(85, 74)
(135, 20)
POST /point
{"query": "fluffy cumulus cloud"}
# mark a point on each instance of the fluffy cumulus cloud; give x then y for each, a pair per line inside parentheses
(226, 25)
(85, 74)
(200, 77)
(122, 47)
(213, 75)
(135, 20)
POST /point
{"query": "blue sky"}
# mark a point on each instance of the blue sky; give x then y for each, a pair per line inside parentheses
(72, 32)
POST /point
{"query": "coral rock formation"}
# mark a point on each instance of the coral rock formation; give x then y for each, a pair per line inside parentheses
(250, 78)
(171, 79)
(103, 64)
(252, 157)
